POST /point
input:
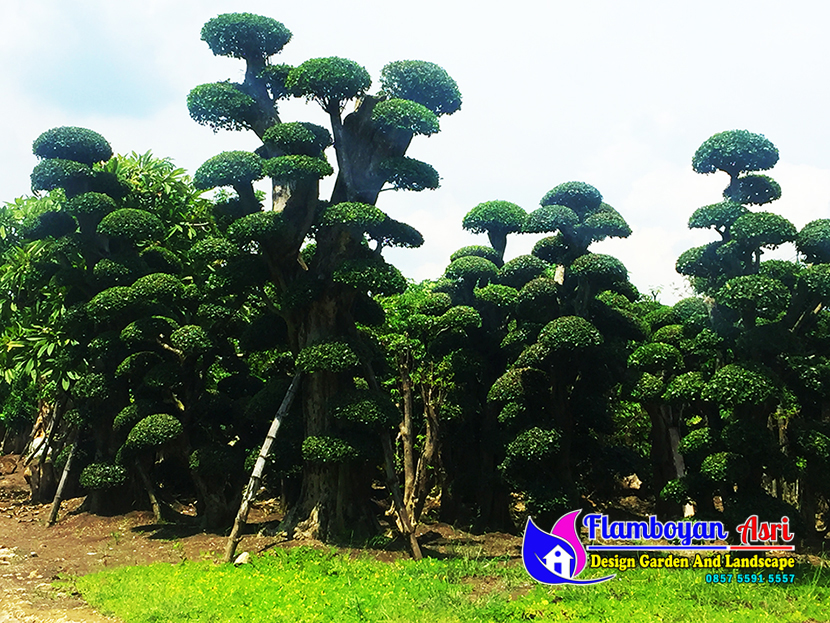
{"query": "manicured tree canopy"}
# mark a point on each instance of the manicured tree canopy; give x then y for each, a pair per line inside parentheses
(245, 35)
(298, 138)
(762, 229)
(72, 176)
(422, 82)
(409, 174)
(71, 143)
(496, 219)
(230, 168)
(487, 253)
(580, 197)
(328, 81)
(734, 152)
(814, 241)
(756, 189)
(136, 226)
(405, 115)
(755, 296)
(287, 169)
(221, 106)
(719, 216)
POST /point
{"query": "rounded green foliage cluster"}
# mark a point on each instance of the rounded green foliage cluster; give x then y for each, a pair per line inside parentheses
(209, 250)
(434, 304)
(684, 388)
(371, 275)
(780, 270)
(487, 253)
(520, 270)
(405, 115)
(814, 283)
(259, 226)
(153, 431)
(328, 80)
(148, 330)
(137, 364)
(67, 174)
(755, 295)
(570, 334)
(500, 216)
(158, 288)
(110, 304)
(213, 462)
(298, 138)
(647, 388)
(221, 106)
(162, 260)
(735, 385)
(245, 35)
(535, 444)
(762, 229)
(669, 334)
(91, 387)
(328, 449)
(287, 169)
(365, 217)
(109, 273)
(814, 241)
(499, 296)
(718, 215)
(538, 299)
(517, 385)
(606, 222)
(191, 340)
(334, 356)
(755, 189)
(72, 143)
(551, 218)
(134, 412)
(656, 357)
(230, 168)
(49, 224)
(396, 234)
(724, 467)
(460, 318)
(409, 174)
(101, 476)
(735, 151)
(136, 226)
(534, 356)
(366, 407)
(552, 249)
(580, 197)
(94, 205)
(698, 442)
(472, 269)
(675, 491)
(691, 311)
(422, 82)
(601, 270)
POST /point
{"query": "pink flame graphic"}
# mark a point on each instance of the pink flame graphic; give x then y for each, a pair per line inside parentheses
(565, 528)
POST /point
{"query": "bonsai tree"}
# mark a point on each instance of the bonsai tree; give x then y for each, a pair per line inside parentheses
(322, 259)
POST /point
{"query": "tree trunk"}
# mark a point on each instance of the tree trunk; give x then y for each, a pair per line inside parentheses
(666, 460)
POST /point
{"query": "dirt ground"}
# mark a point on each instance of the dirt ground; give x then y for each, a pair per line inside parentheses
(33, 556)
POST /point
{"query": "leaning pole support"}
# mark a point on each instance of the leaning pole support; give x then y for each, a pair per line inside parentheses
(256, 474)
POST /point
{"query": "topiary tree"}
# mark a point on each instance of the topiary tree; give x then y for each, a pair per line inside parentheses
(497, 219)
(322, 289)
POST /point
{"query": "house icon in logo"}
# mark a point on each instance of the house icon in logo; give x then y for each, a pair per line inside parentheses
(558, 561)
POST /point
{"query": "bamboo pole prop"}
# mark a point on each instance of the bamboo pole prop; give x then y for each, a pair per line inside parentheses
(256, 474)
(56, 502)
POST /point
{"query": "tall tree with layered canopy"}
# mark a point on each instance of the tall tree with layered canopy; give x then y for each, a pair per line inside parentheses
(323, 258)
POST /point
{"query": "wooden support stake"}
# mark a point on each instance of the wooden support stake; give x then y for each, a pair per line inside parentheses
(256, 474)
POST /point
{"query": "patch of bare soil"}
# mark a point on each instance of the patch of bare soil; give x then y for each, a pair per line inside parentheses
(33, 556)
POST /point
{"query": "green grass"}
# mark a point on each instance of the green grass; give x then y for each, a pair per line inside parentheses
(305, 585)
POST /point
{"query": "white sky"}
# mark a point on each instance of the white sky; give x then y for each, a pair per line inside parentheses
(616, 94)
